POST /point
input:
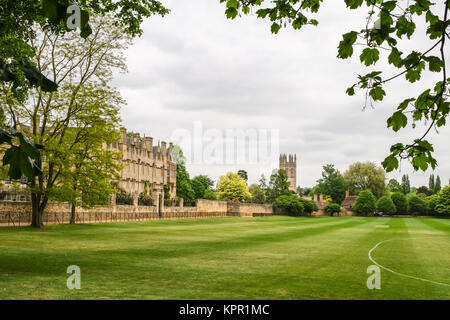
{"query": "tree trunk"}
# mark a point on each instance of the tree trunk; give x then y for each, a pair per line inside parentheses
(72, 215)
(38, 205)
(36, 220)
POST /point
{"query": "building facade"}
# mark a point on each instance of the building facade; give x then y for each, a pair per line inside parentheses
(289, 164)
(147, 168)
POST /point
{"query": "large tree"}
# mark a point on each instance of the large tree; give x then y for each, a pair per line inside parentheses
(278, 185)
(366, 176)
(19, 19)
(89, 170)
(202, 185)
(184, 183)
(62, 121)
(258, 194)
(394, 186)
(332, 184)
(390, 26)
(437, 186)
(232, 187)
(406, 184)
(243, 174)
(431, 182)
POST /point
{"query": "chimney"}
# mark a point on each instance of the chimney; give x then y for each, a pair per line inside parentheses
(123, 135)
(148, 144)
(163, 149)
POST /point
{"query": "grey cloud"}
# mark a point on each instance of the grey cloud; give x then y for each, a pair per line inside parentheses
(195, 64)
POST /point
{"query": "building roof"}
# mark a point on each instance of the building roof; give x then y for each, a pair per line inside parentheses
(349, 202)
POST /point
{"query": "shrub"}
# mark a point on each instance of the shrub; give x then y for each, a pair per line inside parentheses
(417, 206)
(366, 203)
(290, 204)
(144, 200)
(386, 205)
(400, 202)
(333, 208)
(124, 198)
(209, 195)
(308, 205)
(431, 204)
(443, 202)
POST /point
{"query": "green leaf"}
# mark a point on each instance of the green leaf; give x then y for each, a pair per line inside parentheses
(377, 93)
(370, 56)
(397, 121)
(405, 27)
(395, 58)
(50, 8)
(351, 91)
(435, 64)
(402, 106)
(5, 136)
(37, 78)
(353, 4)
(275, 28)
(231, 13)
(413, 75)
(390, 163)
(345, 49)
(30, 148)
(232, 4)
(420, 162)
(19, 163)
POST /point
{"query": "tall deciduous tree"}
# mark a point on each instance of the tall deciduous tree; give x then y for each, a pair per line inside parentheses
(89, 169)
(366, 176)
(258, 195)
(332, 184)
(278, 185)
(395, 186)
(437, 186)
(431, 182)
(82, 69)
(19, 19)
(232, 187)
(390, 26)
(243, 174)
(184, 184)
(201, 184)
(406, 185)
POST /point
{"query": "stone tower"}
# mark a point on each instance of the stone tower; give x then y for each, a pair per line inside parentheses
(289, 164)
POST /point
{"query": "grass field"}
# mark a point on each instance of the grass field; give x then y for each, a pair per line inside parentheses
(229, 258)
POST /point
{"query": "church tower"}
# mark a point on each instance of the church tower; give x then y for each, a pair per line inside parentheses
(289, 164)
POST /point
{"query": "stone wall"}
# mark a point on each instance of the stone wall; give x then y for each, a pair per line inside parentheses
(253, 209)
(211, 206)
(19, 213)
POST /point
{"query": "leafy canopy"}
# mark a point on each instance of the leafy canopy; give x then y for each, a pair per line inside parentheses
(366, 176)
(278, 185)
(18, 20)
(332, 183)
(386, 205)
(365, 203)
(233, 187)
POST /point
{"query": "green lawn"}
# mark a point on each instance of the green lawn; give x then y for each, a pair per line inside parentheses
(228, 258)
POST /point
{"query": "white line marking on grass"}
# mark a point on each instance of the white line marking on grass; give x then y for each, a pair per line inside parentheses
(383, 226)
(398, 273)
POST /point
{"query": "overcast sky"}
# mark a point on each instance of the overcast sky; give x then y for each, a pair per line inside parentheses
(196, 68)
